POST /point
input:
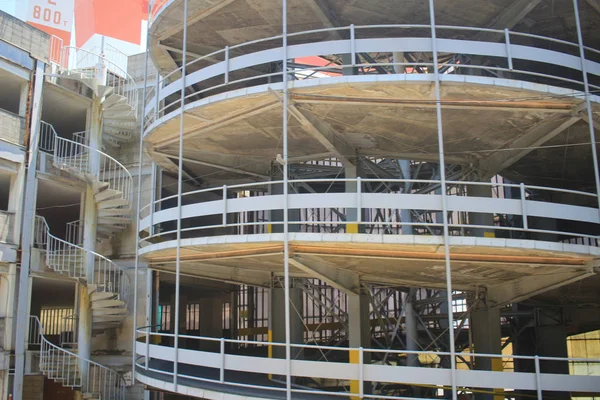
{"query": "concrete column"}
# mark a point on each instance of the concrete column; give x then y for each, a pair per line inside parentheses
(480, 218)
(23, 98)
(278, 321)
(359, 334)
(350, 172)
(405, 215)
(551, 341)
(412, 336)
(84, 334)
(27, 232)
(487, 339)
(399, 58)
(347, 60)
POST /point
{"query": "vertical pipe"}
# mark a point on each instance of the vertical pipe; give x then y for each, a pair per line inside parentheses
(436, 73)
(139, 195)
(588, 100)
(179, 190)
(286, 239)
(27, 232)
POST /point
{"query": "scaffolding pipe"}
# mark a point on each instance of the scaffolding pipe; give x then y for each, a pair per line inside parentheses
(438, 109)
(179, 190)
(139, 194)
(286, 239)
(588, 101)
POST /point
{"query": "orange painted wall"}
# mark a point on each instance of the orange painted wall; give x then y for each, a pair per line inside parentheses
(119, 19)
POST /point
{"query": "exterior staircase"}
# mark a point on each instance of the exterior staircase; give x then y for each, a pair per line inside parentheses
(108, 286)
(110, 82)
(95, 381)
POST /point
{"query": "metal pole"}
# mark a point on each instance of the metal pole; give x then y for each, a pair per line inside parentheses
(139, 195)
(179, 190)
(438, 108)
(588, 100)
(286, 239)
(27, 233)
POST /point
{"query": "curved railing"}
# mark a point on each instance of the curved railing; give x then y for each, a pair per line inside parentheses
(95, 66)
(82, 160)
(240, 66)
(247, 209)
(71, 260)
(222, 367)
(75, 371)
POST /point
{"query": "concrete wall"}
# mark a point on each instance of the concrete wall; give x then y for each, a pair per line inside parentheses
(33, 387)
(24, 36)
(12, 127)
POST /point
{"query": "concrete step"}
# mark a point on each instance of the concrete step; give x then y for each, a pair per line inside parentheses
(102, 304)
(100, 296)
(109, 311)
(107, 204)
(108, 194)
(115, 212)
(114, 220)
(108, 318)
(99, 186)
(99, 326)
(112, 100)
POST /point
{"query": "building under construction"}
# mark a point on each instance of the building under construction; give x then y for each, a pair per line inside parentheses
(305, 199)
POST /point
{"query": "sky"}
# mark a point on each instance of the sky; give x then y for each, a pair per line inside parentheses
(8, 6)
(17, 8)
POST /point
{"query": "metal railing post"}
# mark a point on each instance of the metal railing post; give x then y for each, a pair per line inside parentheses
(524, 206)
(226, 64)
(538, 380)
(222, 371)
(361, 372)
(353, 44)
(224, 205)
(508, 49)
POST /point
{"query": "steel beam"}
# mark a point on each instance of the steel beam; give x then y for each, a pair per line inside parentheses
(595, 4)
(225, 162)
(346, 281)
(324, 134)
(536, 136)
(510, 17)
(524, 288)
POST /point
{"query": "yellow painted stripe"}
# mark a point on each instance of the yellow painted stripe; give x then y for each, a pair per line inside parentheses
(351, 228)
(270, 347)
(354, 385)
(497, 365)
(269, 228)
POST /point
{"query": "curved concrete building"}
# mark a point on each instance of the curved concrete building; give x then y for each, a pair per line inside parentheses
(371, 199)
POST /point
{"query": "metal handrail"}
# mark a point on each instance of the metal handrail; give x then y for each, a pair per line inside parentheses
(72, 155)
(220, 361)
(70, 259)
(74, 370)
(519, 206)
(93, 67)
(153, 109)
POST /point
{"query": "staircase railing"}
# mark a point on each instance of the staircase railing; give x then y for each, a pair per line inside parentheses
(62, 365)
(84, 160)
(96, 66)
(70, 259)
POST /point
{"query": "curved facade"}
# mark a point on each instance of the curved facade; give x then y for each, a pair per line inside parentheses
(372, 201)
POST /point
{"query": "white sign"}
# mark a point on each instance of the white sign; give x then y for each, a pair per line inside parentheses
(57, 14)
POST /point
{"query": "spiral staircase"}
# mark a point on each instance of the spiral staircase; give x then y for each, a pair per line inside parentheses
(108, 286)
